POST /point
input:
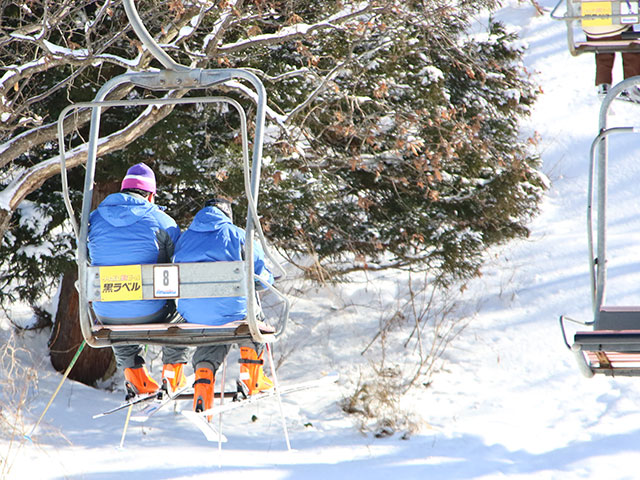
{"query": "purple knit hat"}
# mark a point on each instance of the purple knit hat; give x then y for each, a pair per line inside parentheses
(140, 176)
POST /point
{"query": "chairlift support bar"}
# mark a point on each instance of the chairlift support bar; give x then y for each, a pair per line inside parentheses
(148, 41)
(598, 184)
(573, 18)
(613, 346)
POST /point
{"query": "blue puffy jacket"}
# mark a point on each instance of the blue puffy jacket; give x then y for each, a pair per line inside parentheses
(126, 229)
(212, 237)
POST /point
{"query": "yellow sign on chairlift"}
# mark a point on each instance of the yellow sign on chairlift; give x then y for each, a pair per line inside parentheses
(596, 8)
(121, 282)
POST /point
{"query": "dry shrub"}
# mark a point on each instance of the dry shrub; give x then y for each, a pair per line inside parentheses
(18, 378)
(376, 402)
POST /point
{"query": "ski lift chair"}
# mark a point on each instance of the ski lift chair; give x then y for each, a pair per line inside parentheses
(612, 347)
(183, 280)
(172, 281)
(580, 13)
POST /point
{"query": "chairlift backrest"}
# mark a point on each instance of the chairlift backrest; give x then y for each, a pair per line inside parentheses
(165, 281)
(613, 346)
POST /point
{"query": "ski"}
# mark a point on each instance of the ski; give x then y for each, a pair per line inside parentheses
(211, 433)
(134, 401)
(168, 396)
(199, 419)
(184, 394)
(242, 401)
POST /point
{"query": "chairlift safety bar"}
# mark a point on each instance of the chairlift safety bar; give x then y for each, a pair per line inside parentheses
(613, 346)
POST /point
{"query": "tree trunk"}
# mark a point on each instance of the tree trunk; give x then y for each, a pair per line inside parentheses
(66, 336)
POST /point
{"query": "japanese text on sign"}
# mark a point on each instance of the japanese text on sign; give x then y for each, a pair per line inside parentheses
(121, 282)
(596, 8)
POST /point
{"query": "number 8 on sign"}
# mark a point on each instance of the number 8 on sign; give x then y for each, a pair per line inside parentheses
(166, 280)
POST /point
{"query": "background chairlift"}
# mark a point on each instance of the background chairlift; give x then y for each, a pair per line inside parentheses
(613, 346)
(173, 281)
(617, 12)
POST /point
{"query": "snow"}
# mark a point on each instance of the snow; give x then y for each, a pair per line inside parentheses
(507, 401)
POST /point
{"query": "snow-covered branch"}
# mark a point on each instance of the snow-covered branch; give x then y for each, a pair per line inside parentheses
(298, 30)
(27, 180)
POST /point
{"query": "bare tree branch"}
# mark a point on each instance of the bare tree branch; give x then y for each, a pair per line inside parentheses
(32, 178)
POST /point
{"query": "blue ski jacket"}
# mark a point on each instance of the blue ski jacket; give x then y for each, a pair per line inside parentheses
(126, 229)
(212, 237)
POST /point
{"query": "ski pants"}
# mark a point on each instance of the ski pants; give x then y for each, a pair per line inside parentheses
(215, 354)
(130, 356)
(605, 61)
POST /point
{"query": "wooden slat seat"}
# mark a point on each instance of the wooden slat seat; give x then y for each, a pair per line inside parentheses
(610, 352)
(614, 363)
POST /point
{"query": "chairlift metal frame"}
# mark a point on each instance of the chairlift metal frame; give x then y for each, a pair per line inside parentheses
(612, 347)
(573, 17)
(207, 276)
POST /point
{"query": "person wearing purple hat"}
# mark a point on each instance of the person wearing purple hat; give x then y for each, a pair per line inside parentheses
(128, 228)
(140, 177)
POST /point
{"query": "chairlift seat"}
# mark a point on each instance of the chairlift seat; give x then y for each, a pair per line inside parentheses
(608, 46)
(609, 352)
(187, 334)
(142, 282)
(613, 348)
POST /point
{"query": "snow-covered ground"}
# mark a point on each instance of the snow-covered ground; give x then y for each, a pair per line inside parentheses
(509, 402)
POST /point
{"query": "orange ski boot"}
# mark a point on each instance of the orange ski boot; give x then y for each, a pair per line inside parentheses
(203, 388)
(140, 380)
(174, 374)
(251, 372)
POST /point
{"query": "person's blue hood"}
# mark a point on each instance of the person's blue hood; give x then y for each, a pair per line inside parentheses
(122, 210)
(209, 219)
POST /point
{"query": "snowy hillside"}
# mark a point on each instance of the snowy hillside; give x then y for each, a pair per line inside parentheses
(509, 401)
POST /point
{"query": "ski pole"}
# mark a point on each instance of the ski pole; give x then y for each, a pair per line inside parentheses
(126, 424)
(224, 373)
(64, 377)
(277, 390)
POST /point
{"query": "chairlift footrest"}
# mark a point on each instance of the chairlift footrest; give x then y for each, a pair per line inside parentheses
(247, 361)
